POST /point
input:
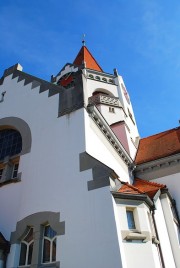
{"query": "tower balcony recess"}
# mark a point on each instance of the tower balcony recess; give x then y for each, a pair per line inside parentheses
(104, 99)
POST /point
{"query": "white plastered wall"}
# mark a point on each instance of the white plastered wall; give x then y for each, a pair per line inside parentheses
(99, 147)
(52, 181)
(163, 236)
(173, 184)
(135, 253)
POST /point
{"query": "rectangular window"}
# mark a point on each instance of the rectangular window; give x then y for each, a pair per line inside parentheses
(15, 171)
(111, 110)
(130, 219)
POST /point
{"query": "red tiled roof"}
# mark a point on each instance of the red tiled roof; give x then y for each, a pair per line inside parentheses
(129, 189)
(158, 146)
(148, 187)
(141, 187)
(85, 56)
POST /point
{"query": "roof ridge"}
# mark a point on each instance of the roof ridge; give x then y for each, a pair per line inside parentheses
(168, 130)
(152, 183)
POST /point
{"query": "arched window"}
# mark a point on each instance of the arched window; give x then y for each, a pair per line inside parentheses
(49, 245)
(10, 149)
(26, 248)
(10, 143)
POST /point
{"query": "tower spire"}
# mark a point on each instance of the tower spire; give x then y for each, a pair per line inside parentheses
(83, 40)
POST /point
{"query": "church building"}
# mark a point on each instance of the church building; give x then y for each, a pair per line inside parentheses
(79, 188)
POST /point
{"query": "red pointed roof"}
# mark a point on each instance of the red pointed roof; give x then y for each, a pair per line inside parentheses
(85, 56)
(141, 187)
(158, 146)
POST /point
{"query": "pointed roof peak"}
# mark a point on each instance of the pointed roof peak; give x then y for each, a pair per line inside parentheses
(85, 56)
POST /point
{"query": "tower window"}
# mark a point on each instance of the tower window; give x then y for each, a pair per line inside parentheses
(49, 245)
(111, 110)
(26, 248)
(130, 219)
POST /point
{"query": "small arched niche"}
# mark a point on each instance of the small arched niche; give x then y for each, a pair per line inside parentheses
(103, 92)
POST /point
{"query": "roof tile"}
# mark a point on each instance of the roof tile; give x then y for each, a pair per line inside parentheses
(161, 145)
(141, 187)
(84, 55)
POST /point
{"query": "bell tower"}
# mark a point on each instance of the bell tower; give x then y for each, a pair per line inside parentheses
(84, 84)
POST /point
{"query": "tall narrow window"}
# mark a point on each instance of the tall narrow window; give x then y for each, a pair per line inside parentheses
(49, 245)
(130, 219)
(15, 171)
(1, 172)
(26, 248)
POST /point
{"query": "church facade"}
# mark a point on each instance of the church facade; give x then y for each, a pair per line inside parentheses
(78, 186)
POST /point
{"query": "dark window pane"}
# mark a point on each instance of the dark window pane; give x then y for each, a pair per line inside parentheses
(1, 172)
(46, 251)
(10, 143)
(54, 250)
(23, 254)
(49, 232)
(130, 219)
(29, 236)
(30, 253)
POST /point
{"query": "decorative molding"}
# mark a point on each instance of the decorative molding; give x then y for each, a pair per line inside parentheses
(158, 165)
(108, 133)
(139, 197)
(99, 76)
(104, 99)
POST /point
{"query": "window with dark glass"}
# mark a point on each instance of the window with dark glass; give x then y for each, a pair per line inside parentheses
(26, 248)
(130, 219)
(49, 245)
(1, 172)
(15, 171)
(10, 147)
(10, 143)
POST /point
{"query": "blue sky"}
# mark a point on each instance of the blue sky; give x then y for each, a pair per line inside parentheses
(141, 38)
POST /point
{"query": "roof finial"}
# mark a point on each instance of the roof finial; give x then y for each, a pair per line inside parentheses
(83, 40)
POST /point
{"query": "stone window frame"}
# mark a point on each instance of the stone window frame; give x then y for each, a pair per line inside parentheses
(54, 238)
(134, 234)
(38, 221)
(8, 163)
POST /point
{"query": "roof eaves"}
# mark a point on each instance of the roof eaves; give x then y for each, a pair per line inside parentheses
(139, 197)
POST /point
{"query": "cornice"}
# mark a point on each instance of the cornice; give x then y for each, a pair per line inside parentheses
(158, 164)
(139, 197)
(109, 134)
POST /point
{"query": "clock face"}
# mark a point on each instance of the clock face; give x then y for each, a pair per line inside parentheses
(125, 93)
(66, 80)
